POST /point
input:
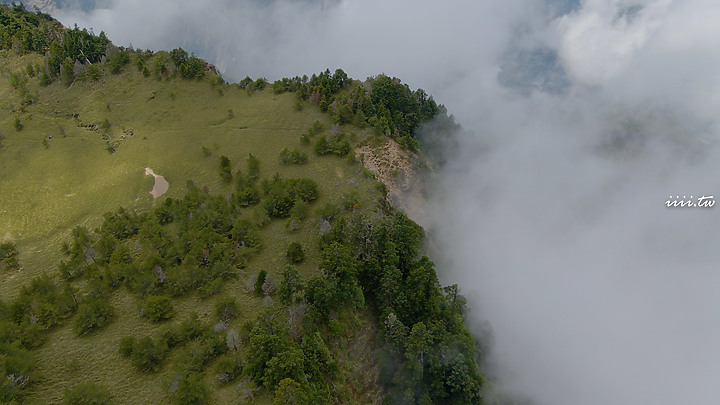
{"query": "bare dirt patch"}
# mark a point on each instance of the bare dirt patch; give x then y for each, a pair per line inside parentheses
(161, 185)
(397, 169)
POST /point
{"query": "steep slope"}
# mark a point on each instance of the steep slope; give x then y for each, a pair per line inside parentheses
(272, 268)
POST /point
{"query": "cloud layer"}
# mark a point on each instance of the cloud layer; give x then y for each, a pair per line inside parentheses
(586, 116)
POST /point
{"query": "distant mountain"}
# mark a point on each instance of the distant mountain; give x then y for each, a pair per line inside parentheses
(46, 6)
(51, 6)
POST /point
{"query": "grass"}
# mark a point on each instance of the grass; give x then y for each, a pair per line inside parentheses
(45, 191)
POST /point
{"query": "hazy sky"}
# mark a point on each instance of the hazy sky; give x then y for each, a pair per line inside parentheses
(585, 117)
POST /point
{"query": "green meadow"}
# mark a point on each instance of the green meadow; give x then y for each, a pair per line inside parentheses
(57, 173)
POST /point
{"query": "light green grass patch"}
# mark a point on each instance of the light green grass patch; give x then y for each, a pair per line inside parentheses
(45, 192)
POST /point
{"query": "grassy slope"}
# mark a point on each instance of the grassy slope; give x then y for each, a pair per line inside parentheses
(44, 193)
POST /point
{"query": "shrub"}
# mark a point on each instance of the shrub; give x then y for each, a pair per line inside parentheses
(294, 156)
(147, 355)
(192, 68)
(140, 62)
(93, 73)
(17, 367)
(259, 216)
(316, 128)
(93, 314)
(210, 289)
(268, 287)
(322, 146)
(304, 189)
(300, 210)
(225, 169)
(228, 369)
(285, 156)
(232, 340)
(288, 391)
(8, 255)
(328, 211)
(226, 308)
(45, 78)
(247, 196)
(336, 145)
(253, 165)
(290, 283)
(18, 80)
(179, 56)
(278, 202)
(18, 125)
(67, 73)
(336, 327)
(257, 85)
(298, 157)
(192, 329)
(196, 355)
(283, 193)
(342, 147)
(118, 60)
(31, 335)
(161, 65)
(287, 363)
(159, 308)
(47, 315)
(245, 83)
(245, 234)
(192, 391)
(216, 345)
(260, 83)
(126, 346)
(259, 281)
(86, 393)
(170, 337)
(295, 253)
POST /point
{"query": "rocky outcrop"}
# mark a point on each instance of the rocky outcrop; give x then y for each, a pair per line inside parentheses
(398, 169)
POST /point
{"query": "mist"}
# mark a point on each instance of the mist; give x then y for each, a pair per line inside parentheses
(581, 119)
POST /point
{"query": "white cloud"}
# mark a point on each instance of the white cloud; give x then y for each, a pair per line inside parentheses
(600, 39)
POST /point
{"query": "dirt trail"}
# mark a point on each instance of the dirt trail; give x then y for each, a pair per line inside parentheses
(161, 185)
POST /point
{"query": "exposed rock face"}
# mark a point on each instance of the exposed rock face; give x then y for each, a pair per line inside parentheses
(210, 68)
(397, 168)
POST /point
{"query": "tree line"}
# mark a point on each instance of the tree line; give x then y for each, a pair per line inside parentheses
(72, 54)
(385, 103)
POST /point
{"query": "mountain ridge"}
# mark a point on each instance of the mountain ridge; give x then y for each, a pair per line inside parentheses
(270, 231)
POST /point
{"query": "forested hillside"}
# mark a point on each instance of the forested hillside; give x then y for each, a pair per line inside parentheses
(271, 270)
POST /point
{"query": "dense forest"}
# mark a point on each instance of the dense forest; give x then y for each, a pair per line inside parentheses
(389, 106)
(371, 260)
